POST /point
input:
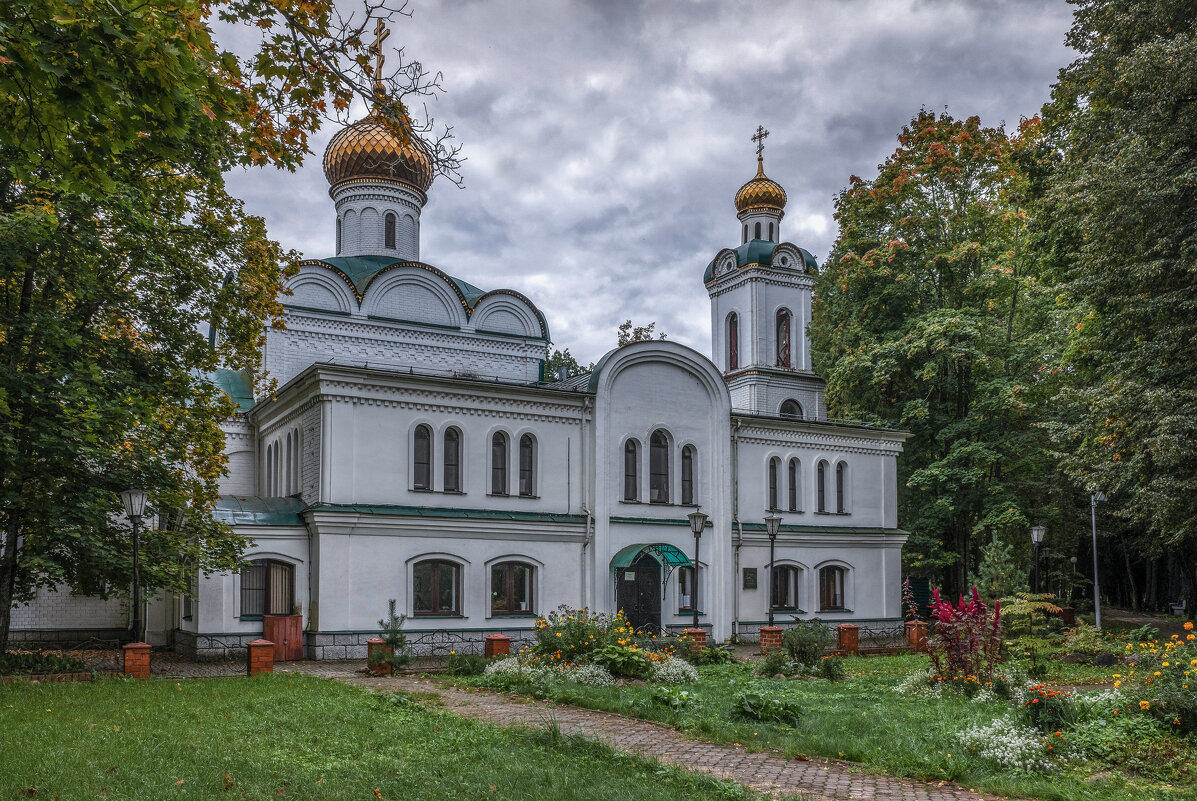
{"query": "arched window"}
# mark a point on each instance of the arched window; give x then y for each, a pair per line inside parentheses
(774, 467)
(745, 233)
(290, 457)
(658, 467)
(792, 480)
(840, 471)
(770, 232)
(388, 236)
(783, 595)
(268, 489)
(297, 486)
(421, 460)
(436, 587)
(688, 474)
(452, 460)
(631, 472)
(527, 454)
(338, 236)
(757, 231)
(498, 464)
(822, 487)
(733, 342)
(831, 588)
(267, 588)
(511, 588)
(790, 408)
(783, 338)
(277, 487)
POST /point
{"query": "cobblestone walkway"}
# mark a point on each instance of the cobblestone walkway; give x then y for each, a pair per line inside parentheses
(763, 772)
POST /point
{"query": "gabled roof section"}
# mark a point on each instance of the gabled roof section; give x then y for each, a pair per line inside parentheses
(756, 251)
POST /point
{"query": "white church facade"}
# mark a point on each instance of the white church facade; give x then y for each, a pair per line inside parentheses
(414, 450)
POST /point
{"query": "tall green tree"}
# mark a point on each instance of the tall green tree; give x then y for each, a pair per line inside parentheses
(1124, 117)
(929, 316)
(119, 243)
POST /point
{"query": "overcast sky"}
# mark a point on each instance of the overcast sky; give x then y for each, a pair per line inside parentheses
(606, 139)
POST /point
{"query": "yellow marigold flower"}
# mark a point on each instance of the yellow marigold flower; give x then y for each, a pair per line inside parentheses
(1117, 684)
(1165, 665)
(1144, 705)
(1191, 637)
(1188, 625)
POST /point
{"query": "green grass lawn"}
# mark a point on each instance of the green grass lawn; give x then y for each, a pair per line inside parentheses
(286, 736)
(864, 720)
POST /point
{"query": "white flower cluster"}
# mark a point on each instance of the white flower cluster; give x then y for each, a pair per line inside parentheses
(509, 667)
(920, 683)
(1009, 745)
(672, 670)
(588, 675)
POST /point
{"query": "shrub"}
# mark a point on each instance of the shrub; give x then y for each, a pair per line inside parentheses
(577, 633)
(830, 668)
(465, 664)
(712, 655)
(623, 660)
(807, 640)
(967, 639)
(1048, 710)
(672, 670)
(674, 697)
(774, 662)
(1163, 680)
(31, 662)
(391, 632)
(768, 708)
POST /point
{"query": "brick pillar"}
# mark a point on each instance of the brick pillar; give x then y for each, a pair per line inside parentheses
(497, 645)
(260, 657)
(847, 637)
(916, 634)
(376, 649)
(137, 659)
(698, 639)
(770, 638)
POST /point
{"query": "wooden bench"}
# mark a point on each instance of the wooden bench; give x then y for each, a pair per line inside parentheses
(1179, 609)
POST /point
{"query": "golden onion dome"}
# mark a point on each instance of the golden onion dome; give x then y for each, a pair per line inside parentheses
(761, 193)
(368, 149)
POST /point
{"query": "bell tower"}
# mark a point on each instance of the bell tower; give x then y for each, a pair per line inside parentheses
(760, 307)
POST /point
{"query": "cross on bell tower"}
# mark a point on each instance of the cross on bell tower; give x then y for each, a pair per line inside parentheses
(759, 138)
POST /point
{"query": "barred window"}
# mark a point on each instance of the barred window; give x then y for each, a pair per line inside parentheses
(267, 588)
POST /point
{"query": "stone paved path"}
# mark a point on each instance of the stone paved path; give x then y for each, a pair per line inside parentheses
(764, 772)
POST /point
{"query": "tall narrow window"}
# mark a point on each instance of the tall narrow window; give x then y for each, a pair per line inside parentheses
(389, 231)
(831, 588)
(527, 454)
(498, 464)
(338, 236)
(774, 466)
(631, 472)
(770, 232)
(745, 233)
(784, 593)
(792, 480)
(421, 468)
(733, 342)
(452, 460)
(783, 338)
(436, 587)
(267, 588)
(688, 474)
(822, 487)
(757, 231)
(839, 488)
(791, 409)
(511, 588)
(290, 456)
(268, 490)
(658, 468)
(685, 589)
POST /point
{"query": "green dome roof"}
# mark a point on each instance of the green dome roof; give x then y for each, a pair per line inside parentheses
(756, 251)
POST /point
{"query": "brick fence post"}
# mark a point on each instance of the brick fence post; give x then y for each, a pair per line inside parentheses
(770, 638)
(259, 657)
(698, 639)
(137, 659)
(496, 645)
(916, 635)
(847, 637)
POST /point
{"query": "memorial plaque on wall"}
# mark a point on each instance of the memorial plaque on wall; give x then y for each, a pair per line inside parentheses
(750, 578)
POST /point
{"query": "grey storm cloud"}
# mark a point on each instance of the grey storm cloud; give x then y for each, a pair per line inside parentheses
(606, 140)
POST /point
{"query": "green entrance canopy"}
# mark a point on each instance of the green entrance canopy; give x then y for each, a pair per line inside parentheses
(668, 555)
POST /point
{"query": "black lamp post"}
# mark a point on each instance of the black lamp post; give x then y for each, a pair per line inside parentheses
(772, 523)
(134, 501)
(1037, 533)
(698, 521)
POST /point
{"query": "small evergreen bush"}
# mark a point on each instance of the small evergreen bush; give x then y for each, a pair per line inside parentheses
(392, 634)
(807, 640)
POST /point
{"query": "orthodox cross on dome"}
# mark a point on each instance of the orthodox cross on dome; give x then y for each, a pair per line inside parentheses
(759, 138)
(381, 32)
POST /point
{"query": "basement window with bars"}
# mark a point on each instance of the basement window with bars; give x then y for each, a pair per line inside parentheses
(267, 588)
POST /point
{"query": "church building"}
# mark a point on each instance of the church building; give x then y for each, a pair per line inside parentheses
(415, 450)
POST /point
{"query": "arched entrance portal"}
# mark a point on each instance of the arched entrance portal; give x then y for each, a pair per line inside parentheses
(641, 574)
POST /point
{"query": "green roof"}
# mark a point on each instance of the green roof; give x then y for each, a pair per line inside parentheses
(360, 270)
(668, 555)
(238, 385)
(254, 511)
(757, 251)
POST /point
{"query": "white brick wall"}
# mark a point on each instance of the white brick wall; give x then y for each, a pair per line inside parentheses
(58, 609)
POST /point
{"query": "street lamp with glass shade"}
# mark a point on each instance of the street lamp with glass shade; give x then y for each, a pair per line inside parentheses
(772, 524)
(134, 502)
(1037, 534)
(698, 522)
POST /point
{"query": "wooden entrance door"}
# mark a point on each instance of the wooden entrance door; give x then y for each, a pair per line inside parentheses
(638, 592)
(286, 632)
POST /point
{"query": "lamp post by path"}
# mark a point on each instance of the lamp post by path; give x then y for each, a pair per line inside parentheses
(698, 522)
(1037, 533)
(772, 523)
(134, 502)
